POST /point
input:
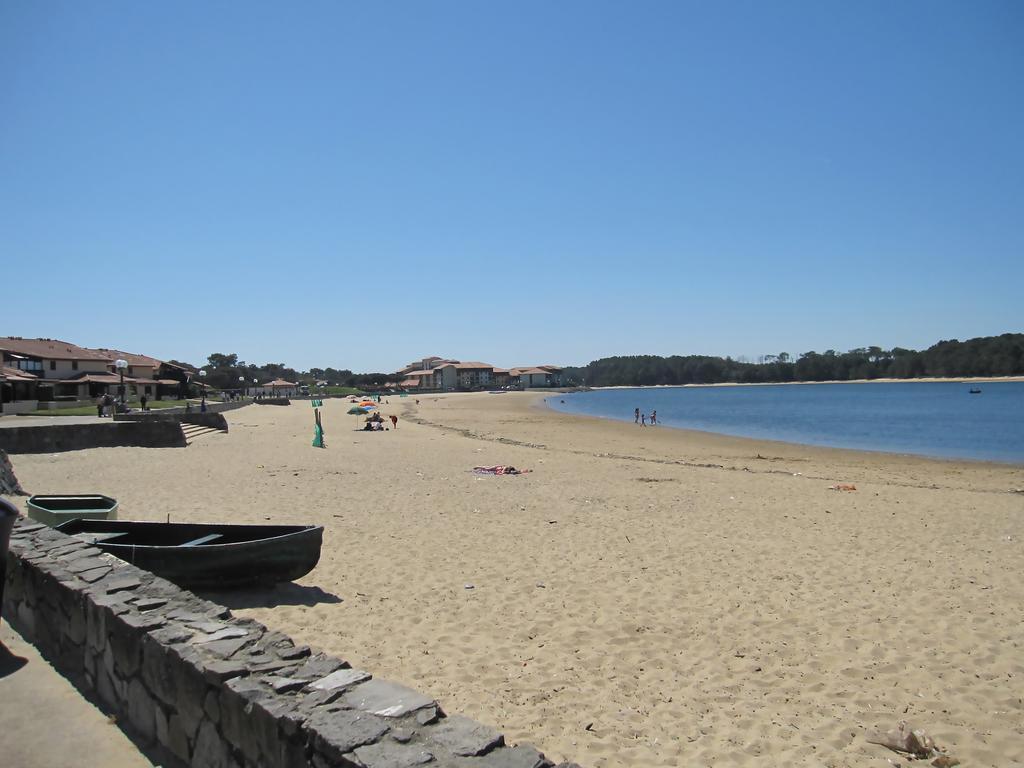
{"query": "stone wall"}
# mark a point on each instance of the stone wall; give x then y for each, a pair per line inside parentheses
(208, 419)
(211, 407)
(16, 407)
(206, 689)
(273, 401)
(9, 485)
(58, 405)
(54, 438)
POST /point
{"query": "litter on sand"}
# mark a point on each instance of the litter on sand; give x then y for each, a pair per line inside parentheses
(908, 740)
(843, 487)
(500, 469)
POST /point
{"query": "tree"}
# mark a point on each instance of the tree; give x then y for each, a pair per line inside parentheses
(217, 360)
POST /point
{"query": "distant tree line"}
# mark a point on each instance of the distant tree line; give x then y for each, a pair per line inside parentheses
(986, 356)
(223, 372)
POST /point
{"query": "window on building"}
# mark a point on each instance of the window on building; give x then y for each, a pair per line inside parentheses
(74, 365)
(53, 365)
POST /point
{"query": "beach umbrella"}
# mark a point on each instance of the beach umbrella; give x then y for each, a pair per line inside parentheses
(355, 410)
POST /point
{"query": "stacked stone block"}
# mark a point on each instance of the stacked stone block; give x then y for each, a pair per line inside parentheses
(204, 688)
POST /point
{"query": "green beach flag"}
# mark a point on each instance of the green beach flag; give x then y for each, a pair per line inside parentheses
(318, 431)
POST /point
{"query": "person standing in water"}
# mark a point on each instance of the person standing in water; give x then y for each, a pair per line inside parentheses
(654, 418)
(636, 416)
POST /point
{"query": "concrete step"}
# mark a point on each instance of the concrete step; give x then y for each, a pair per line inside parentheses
(194, 431)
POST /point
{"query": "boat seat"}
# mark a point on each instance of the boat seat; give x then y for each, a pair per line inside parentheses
(203, 540)
(96, 538)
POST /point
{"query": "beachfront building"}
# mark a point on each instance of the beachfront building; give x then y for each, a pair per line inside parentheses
(148, 376)
(18, 391)
(66, 375)
(65, 372)
(470, 376)
(536, 376)
(277, 388)
(435, 374)
(431, 374)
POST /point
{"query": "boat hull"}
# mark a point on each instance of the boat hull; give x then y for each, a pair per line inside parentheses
(56, 509)
(207, 556)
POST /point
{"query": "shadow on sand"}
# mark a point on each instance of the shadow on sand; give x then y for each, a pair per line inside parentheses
(271, 597)
(9, 663)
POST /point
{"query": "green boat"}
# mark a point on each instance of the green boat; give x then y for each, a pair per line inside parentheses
(56, 509)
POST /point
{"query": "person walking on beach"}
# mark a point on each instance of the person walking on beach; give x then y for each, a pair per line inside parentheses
(654, 418)
(643, 419)
(636, 416)
(394, 421)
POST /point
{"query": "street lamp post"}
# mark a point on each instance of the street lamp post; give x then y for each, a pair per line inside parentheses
(121, 365)
(202, 383)
(255, 382)
(241, 385)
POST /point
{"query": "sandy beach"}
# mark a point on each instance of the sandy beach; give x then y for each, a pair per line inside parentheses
(643, 596)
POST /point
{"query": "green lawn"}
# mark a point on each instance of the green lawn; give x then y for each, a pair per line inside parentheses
(343, 391)
(90, 410)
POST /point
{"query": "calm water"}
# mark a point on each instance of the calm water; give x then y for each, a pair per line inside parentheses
(931, 419)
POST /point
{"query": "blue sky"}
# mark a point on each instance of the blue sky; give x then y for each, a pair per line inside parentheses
(362, 184)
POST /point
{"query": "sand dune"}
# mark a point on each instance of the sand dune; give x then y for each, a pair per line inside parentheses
(644, 597)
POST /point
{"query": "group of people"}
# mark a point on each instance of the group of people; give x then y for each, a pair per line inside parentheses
(375, 423)
(641, 418)
(105, 404)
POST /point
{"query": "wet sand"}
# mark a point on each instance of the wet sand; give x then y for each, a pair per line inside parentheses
(644, 596)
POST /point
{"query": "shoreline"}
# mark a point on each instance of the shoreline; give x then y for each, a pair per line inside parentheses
(640, 597)
(923, 380)
(542, 403)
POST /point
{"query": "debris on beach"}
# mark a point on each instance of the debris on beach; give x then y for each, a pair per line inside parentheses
(843, 487)
(908, 740)
(500, 469)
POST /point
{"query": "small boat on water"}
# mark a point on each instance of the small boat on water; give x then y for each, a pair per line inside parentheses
(974, 391)
(207, 555)
(56, 509)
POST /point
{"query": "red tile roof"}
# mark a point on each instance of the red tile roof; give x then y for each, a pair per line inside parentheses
(104, 378)
(51, 349)
(132, 359)
(16, 374)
